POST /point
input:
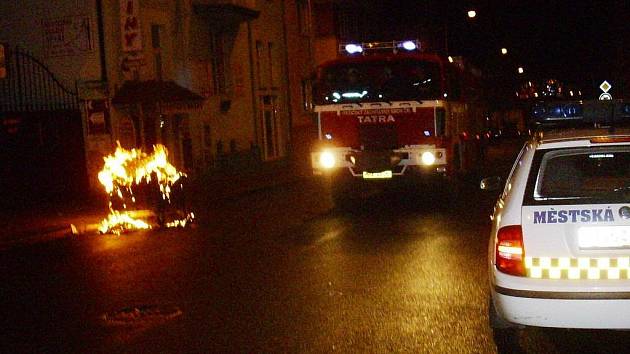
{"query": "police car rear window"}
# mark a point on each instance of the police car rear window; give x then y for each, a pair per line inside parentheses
(579, 175)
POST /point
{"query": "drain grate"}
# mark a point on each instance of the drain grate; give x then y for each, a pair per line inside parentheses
(142, 315)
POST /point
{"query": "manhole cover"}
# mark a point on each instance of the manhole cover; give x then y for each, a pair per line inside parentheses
(142, 314)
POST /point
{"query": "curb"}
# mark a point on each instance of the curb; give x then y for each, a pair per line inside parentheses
(40, 235)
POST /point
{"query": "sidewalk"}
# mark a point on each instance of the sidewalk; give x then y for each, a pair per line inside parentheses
(47, 222)
(59, 220)
(223, 186)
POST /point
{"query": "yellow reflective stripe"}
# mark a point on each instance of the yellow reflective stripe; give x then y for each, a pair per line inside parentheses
(578, 268)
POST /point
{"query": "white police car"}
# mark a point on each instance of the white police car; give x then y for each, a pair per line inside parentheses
(559, 251)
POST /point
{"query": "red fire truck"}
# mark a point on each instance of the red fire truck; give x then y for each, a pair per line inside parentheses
(396, 113)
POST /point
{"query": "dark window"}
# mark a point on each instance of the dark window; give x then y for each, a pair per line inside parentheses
(270, 127)
(219, 62)
(260, 65)
(156, 31)
(270, 62)
(576, 174)
(155, 36)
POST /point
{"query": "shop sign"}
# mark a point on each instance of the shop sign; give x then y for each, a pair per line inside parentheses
(67, 36)
(97, 117)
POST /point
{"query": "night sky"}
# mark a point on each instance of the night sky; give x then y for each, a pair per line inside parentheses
(577, 42)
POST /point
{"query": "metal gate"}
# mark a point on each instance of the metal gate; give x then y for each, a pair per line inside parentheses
(41, 136)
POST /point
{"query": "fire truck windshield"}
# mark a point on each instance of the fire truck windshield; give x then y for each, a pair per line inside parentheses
(395, 80)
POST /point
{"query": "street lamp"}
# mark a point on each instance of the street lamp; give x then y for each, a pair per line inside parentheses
(472, 13)
(520, 70)
(504, 51)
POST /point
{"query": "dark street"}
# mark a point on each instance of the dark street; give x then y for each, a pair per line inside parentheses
(305, 176)
(278, 270)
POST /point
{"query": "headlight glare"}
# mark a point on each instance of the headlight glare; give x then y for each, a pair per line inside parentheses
(428, 158)
(327, 159)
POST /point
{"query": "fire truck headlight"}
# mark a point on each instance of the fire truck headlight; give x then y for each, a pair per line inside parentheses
(327, 159)
(428, 158)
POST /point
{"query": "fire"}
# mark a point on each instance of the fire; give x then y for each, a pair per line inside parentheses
(125, 169)
(181, 222)
(116, 223)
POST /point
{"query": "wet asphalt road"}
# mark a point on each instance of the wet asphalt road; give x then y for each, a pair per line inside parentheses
(274, 271)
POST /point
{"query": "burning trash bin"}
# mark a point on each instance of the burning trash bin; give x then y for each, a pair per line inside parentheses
(145, 191)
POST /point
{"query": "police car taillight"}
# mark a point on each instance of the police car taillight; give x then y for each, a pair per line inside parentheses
(510, 253)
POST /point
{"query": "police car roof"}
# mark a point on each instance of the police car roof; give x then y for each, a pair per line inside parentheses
(581, 137)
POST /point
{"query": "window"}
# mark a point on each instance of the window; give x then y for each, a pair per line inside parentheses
(268, 65)
(219, 61)
(274, 66)
(584, 174)
(261, 65)
(156, 31)
(271, 147)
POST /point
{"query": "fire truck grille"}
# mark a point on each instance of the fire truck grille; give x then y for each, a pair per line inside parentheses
(378, 137)
(378, 161)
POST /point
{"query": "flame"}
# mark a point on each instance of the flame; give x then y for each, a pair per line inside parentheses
(117, 223)
(181, 222)
(125, 169)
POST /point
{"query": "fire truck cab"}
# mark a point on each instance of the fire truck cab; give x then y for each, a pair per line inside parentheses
(396, 113)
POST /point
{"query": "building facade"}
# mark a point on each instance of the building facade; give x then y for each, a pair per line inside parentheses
(221, 83)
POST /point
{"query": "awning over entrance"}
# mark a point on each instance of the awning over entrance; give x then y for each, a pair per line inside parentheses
(167, 94)
(225, 14)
